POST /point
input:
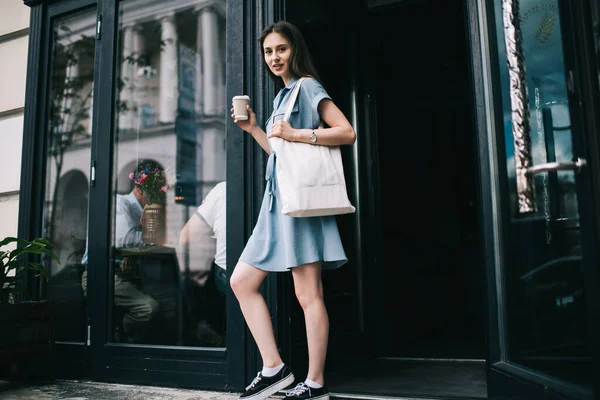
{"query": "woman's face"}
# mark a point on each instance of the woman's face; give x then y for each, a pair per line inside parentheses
(277, 52)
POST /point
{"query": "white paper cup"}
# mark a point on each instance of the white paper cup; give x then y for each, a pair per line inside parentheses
(239, 106)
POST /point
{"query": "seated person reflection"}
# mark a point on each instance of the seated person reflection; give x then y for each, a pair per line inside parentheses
(204, 236)
(139, 308)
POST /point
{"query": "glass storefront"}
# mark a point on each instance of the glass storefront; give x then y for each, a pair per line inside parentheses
(168, 255)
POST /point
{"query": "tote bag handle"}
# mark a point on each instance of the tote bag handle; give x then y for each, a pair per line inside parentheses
(292, 99)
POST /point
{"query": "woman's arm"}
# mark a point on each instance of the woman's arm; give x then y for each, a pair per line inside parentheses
(261, 138)
(249, 125)
(338, 133)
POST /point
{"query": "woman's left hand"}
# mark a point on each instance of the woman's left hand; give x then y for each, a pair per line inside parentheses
(284, 130)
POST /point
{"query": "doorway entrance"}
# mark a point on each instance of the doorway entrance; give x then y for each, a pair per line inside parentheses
(407, 318)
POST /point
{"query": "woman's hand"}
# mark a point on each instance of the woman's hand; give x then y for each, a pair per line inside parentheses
(247, 125)
(284, 130)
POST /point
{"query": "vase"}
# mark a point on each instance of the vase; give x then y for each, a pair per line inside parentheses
(154, 224)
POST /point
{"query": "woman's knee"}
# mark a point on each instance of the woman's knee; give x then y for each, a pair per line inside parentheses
(236, 284)
(244, 280)
(307, 296)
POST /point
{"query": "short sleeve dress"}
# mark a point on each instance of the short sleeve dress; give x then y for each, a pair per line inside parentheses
(280, 242)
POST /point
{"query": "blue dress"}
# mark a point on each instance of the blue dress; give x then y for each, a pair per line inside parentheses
(279, 242)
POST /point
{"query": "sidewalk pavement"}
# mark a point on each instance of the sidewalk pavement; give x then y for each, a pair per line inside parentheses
(84, 390)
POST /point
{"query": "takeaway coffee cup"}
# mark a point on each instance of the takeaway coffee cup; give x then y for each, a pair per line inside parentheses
(239, 106)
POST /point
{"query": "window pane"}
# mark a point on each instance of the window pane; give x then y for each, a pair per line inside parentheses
(170, 153)
(69, 131)
(544, 275)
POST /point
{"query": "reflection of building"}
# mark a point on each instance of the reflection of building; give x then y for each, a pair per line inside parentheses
(157, 119)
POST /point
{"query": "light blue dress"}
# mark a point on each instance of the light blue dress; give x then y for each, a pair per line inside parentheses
(279, 242)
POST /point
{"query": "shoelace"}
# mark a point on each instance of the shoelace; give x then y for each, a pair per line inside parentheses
(298, 390)
(255, 381)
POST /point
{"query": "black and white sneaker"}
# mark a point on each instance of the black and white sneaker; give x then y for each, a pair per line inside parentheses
(264, 386)
(303, 391)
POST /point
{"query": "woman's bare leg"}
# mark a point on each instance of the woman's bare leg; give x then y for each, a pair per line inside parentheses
(245, 283)
(309, 291)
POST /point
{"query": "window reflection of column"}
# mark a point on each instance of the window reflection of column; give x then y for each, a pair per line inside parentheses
(126, 117)
(137, 83)
(209, 25)
(168, 69)
(222, 57)
(199, 60)
(71, 75)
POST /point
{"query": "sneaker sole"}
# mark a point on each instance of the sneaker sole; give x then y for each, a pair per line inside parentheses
(271, 390)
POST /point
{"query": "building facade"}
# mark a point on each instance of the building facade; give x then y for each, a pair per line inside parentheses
(14, 29)
(473, 253)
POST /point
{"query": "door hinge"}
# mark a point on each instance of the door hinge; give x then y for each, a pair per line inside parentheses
(99, 27)
(570, 82)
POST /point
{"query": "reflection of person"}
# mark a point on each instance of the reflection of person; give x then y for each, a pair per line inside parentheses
(282, 243)
(205, 230)
(140, 308)
(210, 214)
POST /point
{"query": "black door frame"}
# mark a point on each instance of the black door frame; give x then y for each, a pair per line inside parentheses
(198, 368)
(506, 380)
(582, 58)
(71, 357)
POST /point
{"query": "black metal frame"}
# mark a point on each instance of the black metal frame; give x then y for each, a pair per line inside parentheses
(506, 380)
(582, 58)
(186, 367)
(70, 357)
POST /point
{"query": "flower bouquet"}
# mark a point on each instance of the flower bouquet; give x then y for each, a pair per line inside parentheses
(152, 182)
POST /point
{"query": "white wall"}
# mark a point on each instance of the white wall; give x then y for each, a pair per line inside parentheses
(14, 19)
(9, 214)
(13, 70)
(14, 16)
(11, 138)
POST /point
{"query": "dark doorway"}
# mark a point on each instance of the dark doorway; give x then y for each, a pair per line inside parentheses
(411, 308)
(427, 170)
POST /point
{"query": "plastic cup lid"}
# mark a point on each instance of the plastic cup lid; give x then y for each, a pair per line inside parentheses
(242, 97)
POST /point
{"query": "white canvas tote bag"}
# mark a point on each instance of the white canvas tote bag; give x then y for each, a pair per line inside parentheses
(310, 176)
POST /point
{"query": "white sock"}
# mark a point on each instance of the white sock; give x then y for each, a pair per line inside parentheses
(272, 371)
(313, 384)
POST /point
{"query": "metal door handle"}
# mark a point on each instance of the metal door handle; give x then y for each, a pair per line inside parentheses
(576, 166)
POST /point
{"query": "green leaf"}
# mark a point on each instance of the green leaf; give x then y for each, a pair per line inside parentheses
(42, 241)
(10, 239)
(40, 269)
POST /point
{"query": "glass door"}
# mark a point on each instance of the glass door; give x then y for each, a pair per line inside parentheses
(543, 280)
(164, 318)
(67, 177)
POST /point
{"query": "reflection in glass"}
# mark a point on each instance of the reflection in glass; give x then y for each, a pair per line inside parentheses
(67, 169)
(169, 175)
(546, 302)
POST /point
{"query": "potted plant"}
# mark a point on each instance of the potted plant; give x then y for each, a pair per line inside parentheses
(152, 181)
(25, 335)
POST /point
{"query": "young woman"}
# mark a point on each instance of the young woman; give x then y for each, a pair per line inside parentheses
(280, 243)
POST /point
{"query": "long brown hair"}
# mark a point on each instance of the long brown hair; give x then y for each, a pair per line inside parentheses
(301, 62)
